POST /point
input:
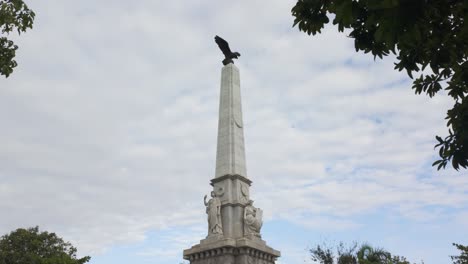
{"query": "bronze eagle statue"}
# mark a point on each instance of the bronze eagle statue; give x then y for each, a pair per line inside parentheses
(224, 46)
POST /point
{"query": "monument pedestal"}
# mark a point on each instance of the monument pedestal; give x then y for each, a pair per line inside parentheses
(231, 251)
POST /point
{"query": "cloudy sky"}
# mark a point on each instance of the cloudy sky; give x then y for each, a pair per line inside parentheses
(108, 134)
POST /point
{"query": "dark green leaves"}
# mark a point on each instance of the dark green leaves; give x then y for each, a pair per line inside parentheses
(354, 254)
(322, 255)
(463, 258)
(14, 14)
(31, 246)
(316, 12)
(7, 53)
(424, 35)
(366, 254)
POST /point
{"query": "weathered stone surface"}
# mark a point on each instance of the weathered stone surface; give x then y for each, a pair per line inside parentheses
(233, 256)
(233, 200)
(240, 251)
(234, 230)
(213, 210)
(252, 220)
(230, 155)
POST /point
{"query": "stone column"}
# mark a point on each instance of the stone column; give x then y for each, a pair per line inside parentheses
(230, 182)
(230, 154)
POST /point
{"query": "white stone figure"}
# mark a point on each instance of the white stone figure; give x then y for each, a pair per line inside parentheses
(213, 209)
(252, 220)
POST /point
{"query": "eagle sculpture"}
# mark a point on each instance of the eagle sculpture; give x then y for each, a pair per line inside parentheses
(224, 46)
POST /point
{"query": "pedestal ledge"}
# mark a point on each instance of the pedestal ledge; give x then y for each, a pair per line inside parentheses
(232, 250)
(231, 177)
(258, 244)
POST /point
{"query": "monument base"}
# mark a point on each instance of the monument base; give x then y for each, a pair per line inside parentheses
(231, 251)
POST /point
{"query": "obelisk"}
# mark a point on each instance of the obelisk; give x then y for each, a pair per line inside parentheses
(233, 222)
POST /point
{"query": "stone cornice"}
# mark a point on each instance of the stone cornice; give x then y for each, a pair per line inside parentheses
(232, 247)
(231, 177)
(232, 204)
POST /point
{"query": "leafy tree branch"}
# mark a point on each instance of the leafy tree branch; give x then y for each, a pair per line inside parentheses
(15, 16)
(423, 34)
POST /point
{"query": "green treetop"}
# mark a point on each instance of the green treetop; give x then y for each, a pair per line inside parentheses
(31, 246)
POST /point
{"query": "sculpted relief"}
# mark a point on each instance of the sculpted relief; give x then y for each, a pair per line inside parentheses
(252, 217)
(252, 220)
(213, 210)
(244, 197)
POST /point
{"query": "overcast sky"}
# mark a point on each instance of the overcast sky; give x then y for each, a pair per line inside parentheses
(108, 134)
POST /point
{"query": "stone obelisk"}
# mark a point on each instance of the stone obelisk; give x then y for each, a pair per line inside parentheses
(233, 222)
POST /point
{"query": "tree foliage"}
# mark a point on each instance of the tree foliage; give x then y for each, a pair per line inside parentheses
(463, 258)
(14, 16)
(428, 37)
(322, 254)
(31, 246)
(354, 254)
(366, 254)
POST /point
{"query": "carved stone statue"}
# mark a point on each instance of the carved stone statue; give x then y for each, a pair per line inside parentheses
(252, 220)
(213, 209)
(228, 54)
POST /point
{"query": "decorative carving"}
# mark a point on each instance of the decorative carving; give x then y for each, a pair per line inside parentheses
(252, 220)
(237, 121)
(244, 194)
(213, 209)
(219, 192)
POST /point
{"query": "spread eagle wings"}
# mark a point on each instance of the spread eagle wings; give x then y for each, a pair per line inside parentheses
(224, 46)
